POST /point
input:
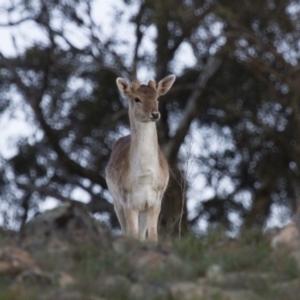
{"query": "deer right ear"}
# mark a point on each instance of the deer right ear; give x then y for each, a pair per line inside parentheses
(123, 86)
(165, 84)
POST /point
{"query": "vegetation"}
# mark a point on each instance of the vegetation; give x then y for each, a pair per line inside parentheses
(213, 266)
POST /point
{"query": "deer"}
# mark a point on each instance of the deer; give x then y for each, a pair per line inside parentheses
(137, 173)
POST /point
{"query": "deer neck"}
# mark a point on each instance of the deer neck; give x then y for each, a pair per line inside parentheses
(144, 145)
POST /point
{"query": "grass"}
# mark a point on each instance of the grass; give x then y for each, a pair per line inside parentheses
(247, 263)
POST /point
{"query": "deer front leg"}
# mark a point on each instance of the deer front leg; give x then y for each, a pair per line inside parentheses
(153, 215)
(121, 217)
(132, 217)
(143, 225)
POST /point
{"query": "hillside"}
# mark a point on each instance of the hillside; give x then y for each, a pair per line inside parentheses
(65, 254)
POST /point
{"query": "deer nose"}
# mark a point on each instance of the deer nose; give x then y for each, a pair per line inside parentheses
(155, 115)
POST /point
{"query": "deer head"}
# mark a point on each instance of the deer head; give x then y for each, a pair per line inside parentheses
(143, 99)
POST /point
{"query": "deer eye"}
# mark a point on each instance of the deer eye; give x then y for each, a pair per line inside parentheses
(137, 100)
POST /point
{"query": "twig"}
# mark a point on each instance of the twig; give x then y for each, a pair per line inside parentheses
(189, 164)
(187, 170)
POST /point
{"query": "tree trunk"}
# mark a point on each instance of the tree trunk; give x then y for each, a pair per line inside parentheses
(173, 218)
(260, 210)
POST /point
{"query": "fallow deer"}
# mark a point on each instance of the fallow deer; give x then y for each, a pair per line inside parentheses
(137, 173)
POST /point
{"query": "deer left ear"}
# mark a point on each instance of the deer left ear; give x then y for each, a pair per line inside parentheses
(123, 86)
(165, 84)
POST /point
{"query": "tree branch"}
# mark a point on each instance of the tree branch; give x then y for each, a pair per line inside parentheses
(51, 135)
(96, 204)
(192, 108)
(16, 22)
(44, 191)
(139, 37)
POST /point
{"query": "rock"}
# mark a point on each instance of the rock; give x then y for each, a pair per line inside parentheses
(14, 261)
(126, 245)
(115, 281)
(137, 291)
(64, 279)
(214, 272)
(147, 256)
(187, 291)
(120, 244)
(288, 237)
(29, 278)
(238, 295)
(68, 295)
(234, 278)
(57, 245)
(59, 228)
(148, 291)
(291, 287)
(154, 260)
(34, 276)
(296, 256)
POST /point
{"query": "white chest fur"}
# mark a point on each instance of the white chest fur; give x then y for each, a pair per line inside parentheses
(144, 167)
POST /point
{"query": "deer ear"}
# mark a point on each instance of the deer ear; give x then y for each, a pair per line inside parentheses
(123, 86)
(165, 84)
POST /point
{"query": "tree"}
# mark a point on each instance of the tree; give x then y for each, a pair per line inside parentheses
(254, 103)
(242, 88)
